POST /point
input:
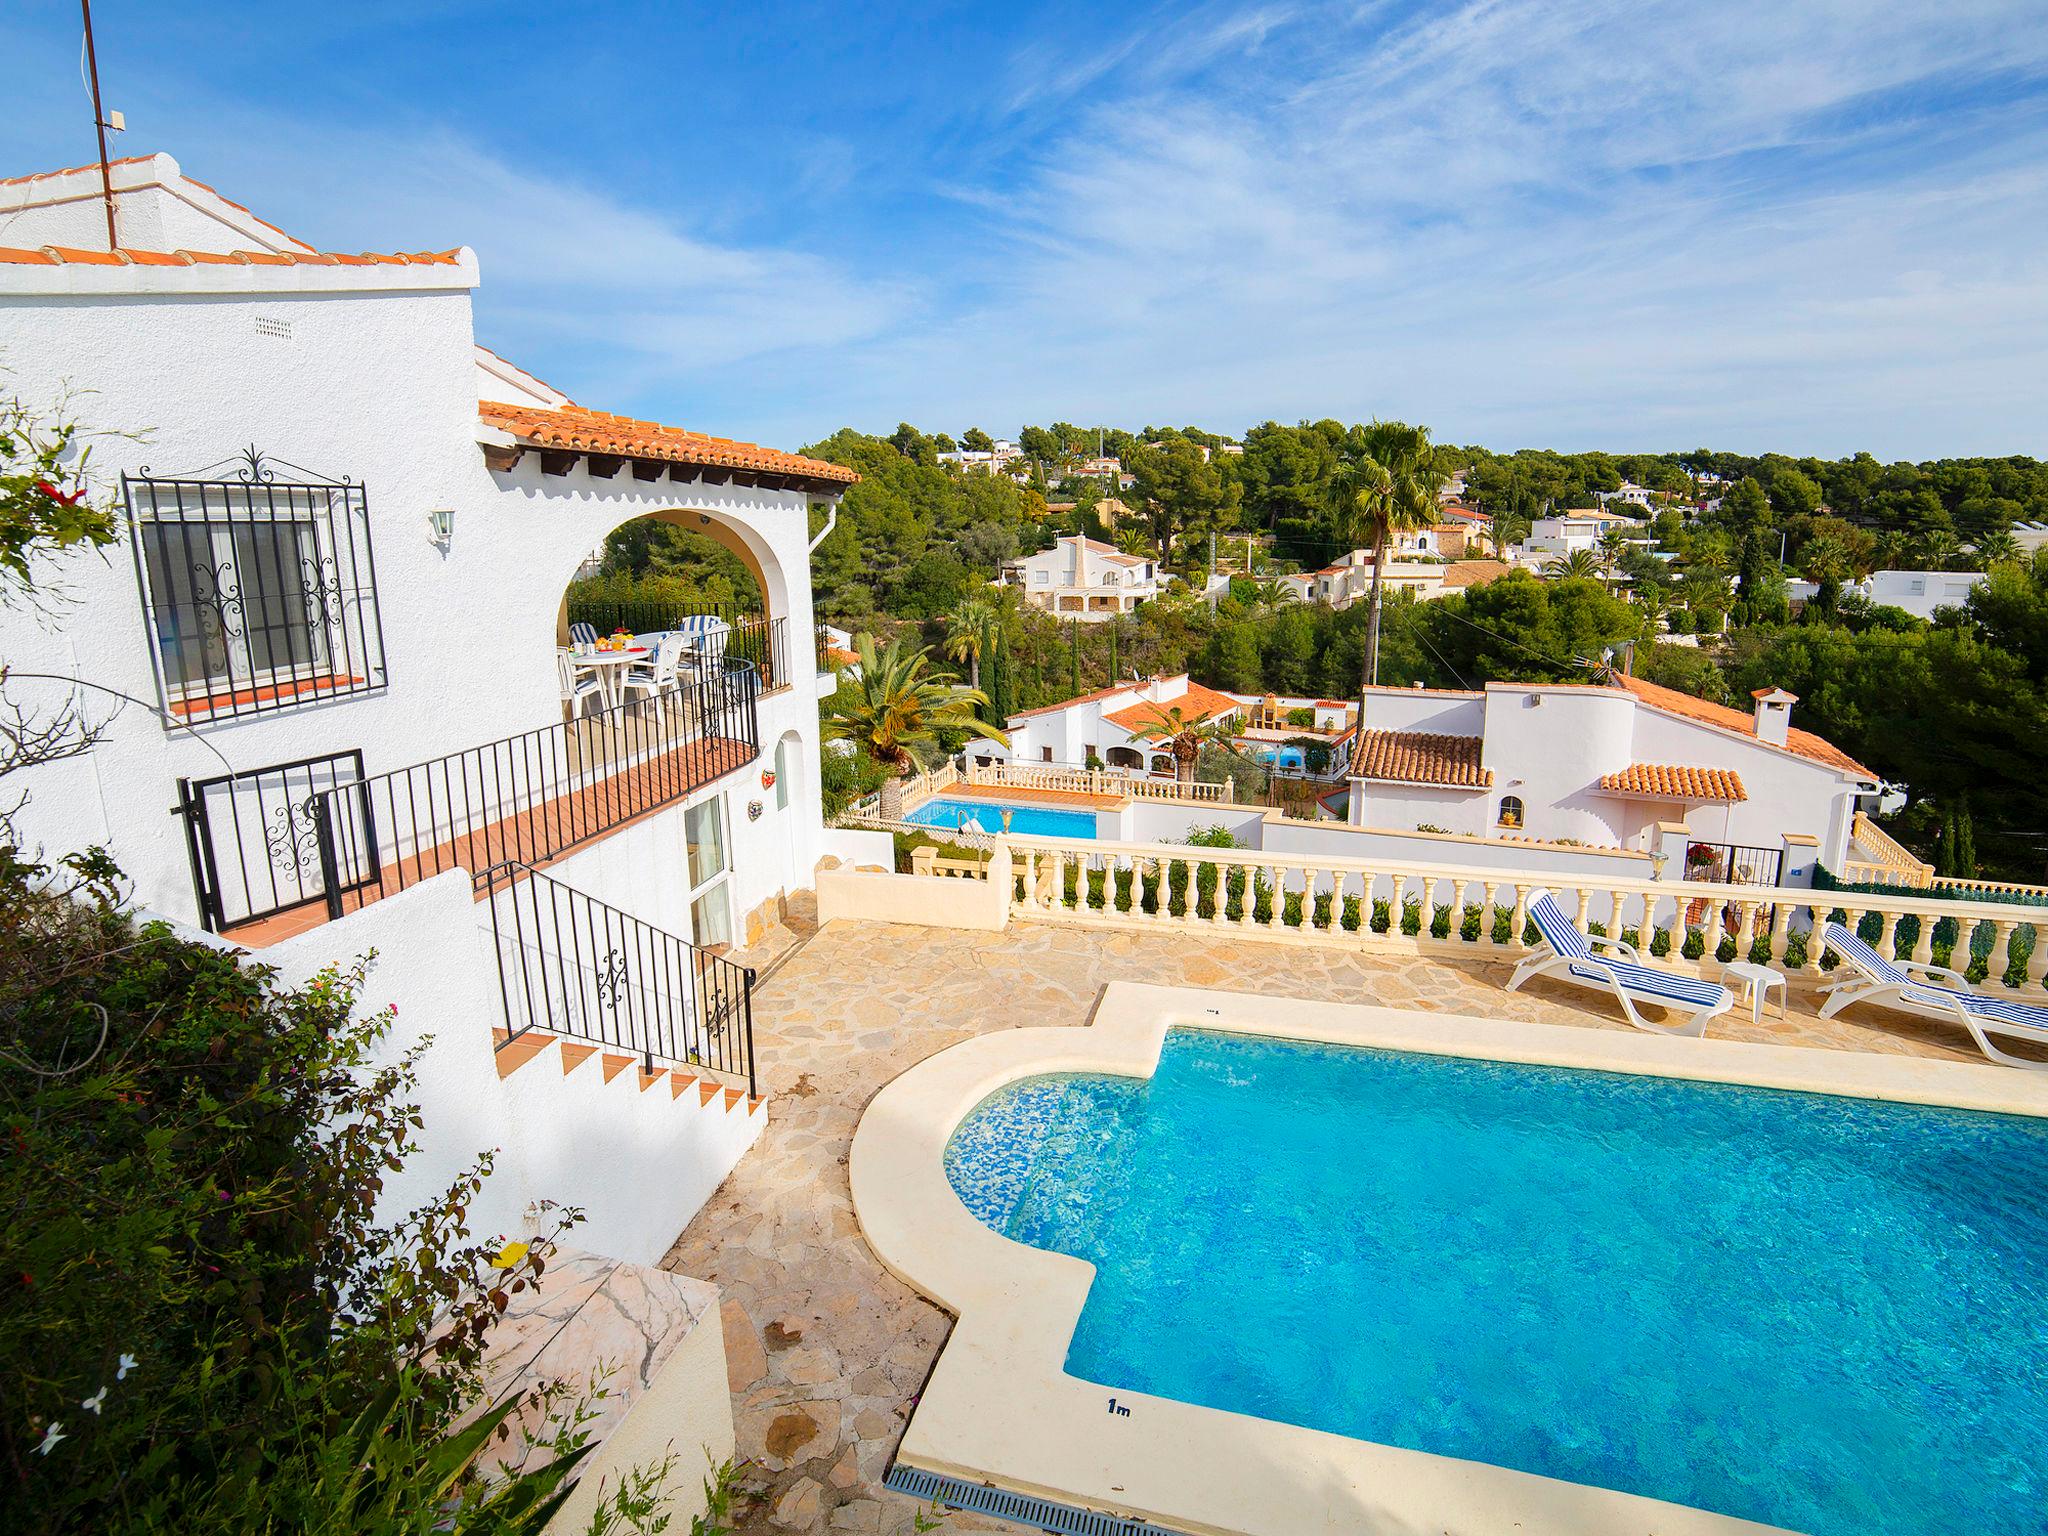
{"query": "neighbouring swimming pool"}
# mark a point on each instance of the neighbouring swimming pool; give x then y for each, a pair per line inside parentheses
(1823, 1313)
(1033, 820)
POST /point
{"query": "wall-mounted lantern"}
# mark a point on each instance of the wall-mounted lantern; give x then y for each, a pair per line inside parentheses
(442, 521)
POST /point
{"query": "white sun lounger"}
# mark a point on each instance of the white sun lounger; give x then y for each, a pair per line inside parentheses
(1571, 957)
(1871, 978)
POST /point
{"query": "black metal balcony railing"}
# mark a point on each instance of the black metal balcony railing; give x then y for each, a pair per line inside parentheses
(575, 966)
(749, 637)
(531, 797)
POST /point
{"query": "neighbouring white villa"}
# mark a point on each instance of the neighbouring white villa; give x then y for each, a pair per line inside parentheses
(1566, 533)
(1630, 766)
(1085, 579)
(1919, 593)
(1623, 766)
(1350, 579)
(343, 710)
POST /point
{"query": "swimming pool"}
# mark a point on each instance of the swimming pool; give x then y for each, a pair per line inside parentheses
(1032, 820)
(1822, 1312)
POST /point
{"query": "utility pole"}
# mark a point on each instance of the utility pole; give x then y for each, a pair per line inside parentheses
(99, 122)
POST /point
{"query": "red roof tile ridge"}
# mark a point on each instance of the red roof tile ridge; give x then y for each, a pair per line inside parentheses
(80, 256)
(1799, 743)
(71, 170)
(599, 431)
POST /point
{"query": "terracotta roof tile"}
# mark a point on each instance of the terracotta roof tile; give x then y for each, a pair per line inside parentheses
(1665, 782)
(1084, 698)
(1421, 757)
(1198, 703)
(583, 430)
(72, 256)
(73, 170)
(1473, 573)
(1799, 743)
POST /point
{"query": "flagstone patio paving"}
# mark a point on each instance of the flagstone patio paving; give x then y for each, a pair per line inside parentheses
(825, 1350)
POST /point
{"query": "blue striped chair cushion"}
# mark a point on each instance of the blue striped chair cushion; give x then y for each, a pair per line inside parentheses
(2004, 1010)
(1648, 981)
(1558, 931)
(1845, 943)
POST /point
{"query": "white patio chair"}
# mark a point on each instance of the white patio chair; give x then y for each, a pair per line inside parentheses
(1569, 955)
(582, 635)
(575, 686)
(1902, 984)
(658, 676)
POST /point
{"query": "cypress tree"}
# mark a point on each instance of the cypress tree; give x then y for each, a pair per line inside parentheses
(1966, 840)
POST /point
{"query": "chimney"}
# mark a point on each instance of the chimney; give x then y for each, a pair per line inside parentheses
(1080, 559)
(1773, 714)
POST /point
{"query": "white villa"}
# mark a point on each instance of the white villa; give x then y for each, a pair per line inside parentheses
(1350, 579)
(1565, 533)
(984, 461)
(1605, 766)
(1100, 725)
(1083, 578)
(330, 662)
(1919, 593)
(1630, 493)
(1632, 766)
(345, 707)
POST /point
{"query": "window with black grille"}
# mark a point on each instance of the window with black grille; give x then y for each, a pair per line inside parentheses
(259, 590)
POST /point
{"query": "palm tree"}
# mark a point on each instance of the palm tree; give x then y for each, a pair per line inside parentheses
(1999, 548)
(1386, 483)
(1133, 541)
(1183, 731)
(1273, 592)
(898, 709)
(972, 630)
(1825, 561)
(1579, 563)
(1614, 540)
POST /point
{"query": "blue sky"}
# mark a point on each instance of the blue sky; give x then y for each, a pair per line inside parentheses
(1814, 227)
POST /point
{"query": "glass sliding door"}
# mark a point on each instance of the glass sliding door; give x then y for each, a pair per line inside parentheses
(709, 872)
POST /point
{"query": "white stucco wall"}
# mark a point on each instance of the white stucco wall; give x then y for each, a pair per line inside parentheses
(571, 1138)
(378, 386)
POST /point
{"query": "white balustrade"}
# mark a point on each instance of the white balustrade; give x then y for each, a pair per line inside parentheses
(1357, 903)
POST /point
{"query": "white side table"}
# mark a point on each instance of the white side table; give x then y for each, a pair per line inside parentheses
(1756, 982)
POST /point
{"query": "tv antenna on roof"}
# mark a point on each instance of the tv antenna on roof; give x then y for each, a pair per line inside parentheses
(101, 121)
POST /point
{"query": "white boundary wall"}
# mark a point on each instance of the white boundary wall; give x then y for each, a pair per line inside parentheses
(640, 1164)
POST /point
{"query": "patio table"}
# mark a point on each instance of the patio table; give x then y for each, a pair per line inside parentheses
(609, 668)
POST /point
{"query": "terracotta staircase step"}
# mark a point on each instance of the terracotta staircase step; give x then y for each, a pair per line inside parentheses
(649, 1079)
(756, 1105)
(679, 1082)
(574, 1055)
(732, 1099)
(515, 1054)
(709, 1091)
(614, 1065)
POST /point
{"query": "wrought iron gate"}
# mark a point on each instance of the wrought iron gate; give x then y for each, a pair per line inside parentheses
(252, 838)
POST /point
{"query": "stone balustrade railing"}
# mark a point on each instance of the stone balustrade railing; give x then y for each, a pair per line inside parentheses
(1880, 850)
(920, 787)
(1688, 926)
(1091, 781)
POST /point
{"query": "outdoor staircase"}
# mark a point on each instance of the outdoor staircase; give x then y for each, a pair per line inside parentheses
(703, 1090)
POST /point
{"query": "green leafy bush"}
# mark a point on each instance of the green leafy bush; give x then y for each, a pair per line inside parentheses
(205, 1328)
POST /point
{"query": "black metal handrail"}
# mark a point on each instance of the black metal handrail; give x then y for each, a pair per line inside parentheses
(536, 795)
(752, 637)
(574, 966)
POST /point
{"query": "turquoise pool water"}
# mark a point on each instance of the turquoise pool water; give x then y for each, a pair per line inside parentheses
(1822, 1313)
(1032, 820)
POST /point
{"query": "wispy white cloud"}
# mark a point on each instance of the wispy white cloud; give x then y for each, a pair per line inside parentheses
(1551, 222)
